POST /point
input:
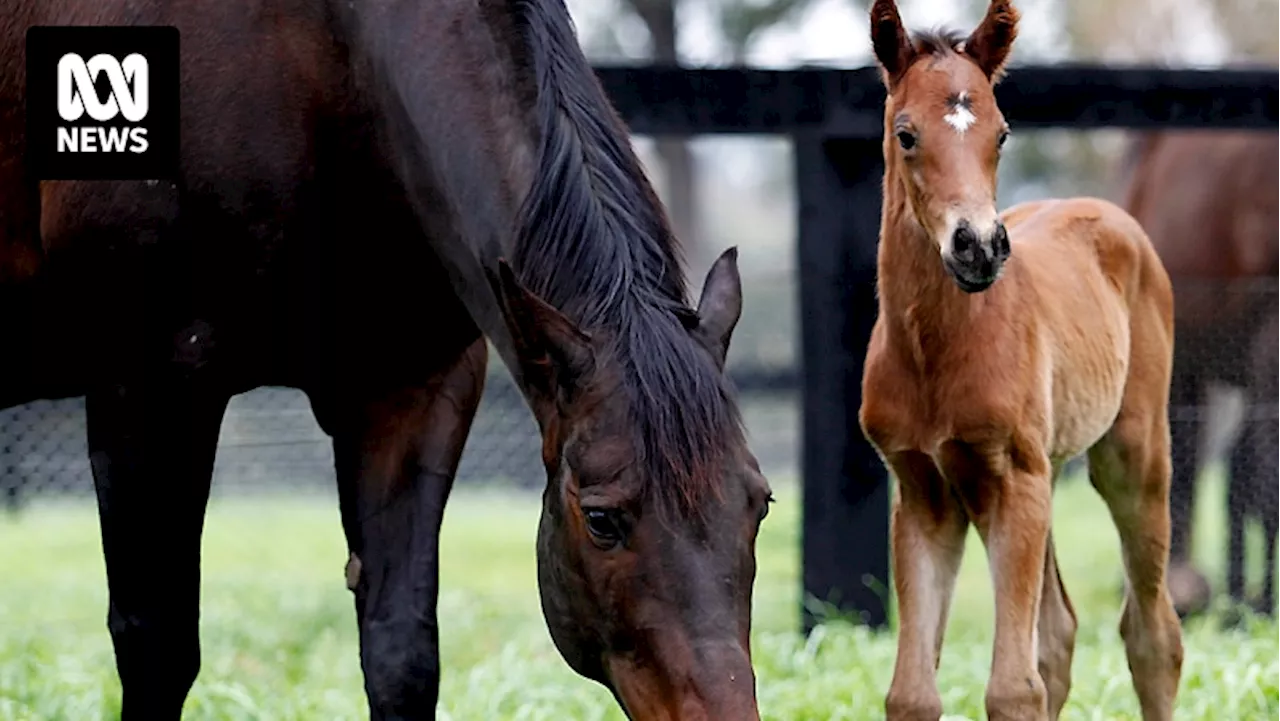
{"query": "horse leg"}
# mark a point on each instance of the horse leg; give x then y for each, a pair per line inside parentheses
(152, 450)
(1267, 503)
(928, 533)
(1264, 437)
(1241, 481)
(1014, 525)
(1266, 602)
(1056, 632)
(395, 468)
(1129, 467)
(1189, 587)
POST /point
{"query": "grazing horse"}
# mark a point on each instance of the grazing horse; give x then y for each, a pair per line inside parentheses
(1208, 201)
(368, 190)
(1006, 344)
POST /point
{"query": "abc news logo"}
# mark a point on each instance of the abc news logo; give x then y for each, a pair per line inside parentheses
(78, 96)
(102, 103)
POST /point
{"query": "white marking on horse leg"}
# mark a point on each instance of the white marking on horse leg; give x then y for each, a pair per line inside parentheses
(353, 572)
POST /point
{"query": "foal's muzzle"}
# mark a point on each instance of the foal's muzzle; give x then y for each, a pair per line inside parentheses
(974, 262)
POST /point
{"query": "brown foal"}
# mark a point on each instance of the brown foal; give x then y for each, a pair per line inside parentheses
(1006, 344)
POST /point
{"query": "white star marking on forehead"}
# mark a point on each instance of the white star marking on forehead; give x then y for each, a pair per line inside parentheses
(960, 117)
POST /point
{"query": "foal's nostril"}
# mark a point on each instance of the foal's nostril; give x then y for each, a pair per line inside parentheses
(964, 244)
(1000, 242)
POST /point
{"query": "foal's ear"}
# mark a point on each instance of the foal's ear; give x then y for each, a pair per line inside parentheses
(990, 43)
(889, 37)
(720, 306)
(555, 356)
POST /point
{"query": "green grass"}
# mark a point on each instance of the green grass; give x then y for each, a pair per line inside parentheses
(279, 639)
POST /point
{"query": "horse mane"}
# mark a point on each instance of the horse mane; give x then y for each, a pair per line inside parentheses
(594, 242)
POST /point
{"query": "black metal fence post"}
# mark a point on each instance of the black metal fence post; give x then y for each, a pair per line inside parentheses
(846, 490)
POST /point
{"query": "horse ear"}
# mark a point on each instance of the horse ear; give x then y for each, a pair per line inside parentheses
(893, 47)
(990, 43)
(555, 356)
(720, 306)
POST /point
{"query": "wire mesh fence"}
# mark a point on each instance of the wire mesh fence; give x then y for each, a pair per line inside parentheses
(1223, 413)
(271, 441)
(1225, 349)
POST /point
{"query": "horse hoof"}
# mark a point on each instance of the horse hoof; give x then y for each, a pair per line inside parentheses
(1189, 590)
(1263, 606)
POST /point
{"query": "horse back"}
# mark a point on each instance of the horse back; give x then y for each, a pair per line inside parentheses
(1090, 277)
(1208, 201)
(263, 237)
(1091, 245)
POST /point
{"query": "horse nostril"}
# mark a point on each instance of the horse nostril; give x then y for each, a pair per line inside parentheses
(964, 243)
(1000, 242)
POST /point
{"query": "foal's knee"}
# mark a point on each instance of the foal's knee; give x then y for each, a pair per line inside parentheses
(402, 668)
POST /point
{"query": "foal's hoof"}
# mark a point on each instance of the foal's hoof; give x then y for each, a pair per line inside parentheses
(1189, 590)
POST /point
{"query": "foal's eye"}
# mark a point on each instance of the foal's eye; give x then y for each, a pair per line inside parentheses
(1004, 136)
(604, 525)
(906, 139)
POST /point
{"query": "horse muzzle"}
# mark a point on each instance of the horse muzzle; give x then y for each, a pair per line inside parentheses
(974, 262)
(720, 688)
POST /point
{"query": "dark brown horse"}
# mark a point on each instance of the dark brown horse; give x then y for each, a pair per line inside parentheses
(368, 190)
(1208, 199)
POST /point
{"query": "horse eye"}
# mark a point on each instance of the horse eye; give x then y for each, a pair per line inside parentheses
(1004, 135)
(604, 525)
(764, 510)
(906, 139)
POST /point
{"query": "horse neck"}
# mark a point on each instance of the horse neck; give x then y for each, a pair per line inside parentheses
(461, 135)
(922, 307)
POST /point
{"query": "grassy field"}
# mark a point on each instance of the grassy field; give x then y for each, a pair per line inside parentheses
(279, 639)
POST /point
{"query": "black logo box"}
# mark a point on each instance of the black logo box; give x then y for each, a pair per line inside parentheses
(45, 47)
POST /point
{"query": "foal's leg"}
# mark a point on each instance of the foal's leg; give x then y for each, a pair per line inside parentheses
(1056, 634)
(928, 533)
(1014, 523)
(152, 449)
(395, 468)
(1130, 469)
(1131, 478)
